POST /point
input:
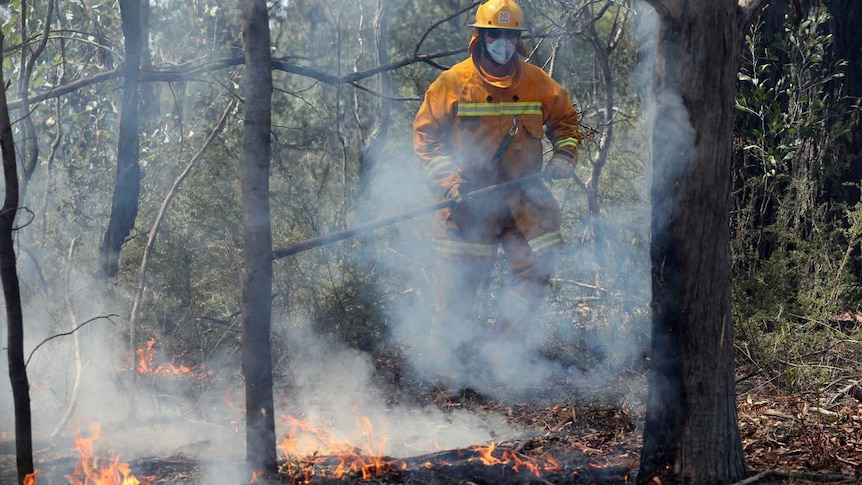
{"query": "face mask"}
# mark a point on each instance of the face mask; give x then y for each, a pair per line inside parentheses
(501, 50)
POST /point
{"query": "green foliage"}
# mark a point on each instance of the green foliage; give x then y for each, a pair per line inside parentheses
(794, 242)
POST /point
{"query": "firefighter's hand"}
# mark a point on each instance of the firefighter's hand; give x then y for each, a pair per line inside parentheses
(560, 168)
(458, 191)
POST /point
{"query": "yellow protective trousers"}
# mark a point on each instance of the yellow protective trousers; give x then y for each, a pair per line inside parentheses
(467, 240)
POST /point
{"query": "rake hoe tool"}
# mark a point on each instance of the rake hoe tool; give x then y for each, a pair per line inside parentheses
(370, 226)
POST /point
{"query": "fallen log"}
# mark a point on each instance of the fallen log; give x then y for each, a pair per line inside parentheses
(469, 466)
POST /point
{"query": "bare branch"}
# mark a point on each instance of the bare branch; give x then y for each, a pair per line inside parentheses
(747, 9)
(189, 72)
(434, 26)
(70, 332)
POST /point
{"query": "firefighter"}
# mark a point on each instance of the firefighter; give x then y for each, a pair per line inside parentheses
(482, 122)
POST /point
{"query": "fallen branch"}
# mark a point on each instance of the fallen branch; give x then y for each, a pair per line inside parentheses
(770, 476)
(824, 412)
(851, 390)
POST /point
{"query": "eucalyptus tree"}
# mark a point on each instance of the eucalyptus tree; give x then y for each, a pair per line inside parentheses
(12, 295)
(691, 431)
(257, 241)
(127, 185)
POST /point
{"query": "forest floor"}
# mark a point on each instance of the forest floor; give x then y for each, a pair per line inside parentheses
(787, 438)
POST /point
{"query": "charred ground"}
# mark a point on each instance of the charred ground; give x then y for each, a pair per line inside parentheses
(787, 438)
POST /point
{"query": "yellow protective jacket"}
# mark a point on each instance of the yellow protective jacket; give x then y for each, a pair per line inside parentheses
(464, 118)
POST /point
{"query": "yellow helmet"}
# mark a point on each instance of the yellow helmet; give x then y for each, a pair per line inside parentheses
(499, 14)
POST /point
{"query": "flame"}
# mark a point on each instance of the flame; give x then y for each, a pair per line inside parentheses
(255, 476)
(310, 442)
(552, 465)
(514, 460)
(95, 471)
(145, 363)
(307, 445)
(30, 478)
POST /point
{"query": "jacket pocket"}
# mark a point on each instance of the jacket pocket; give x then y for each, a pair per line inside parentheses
(529, 143)
(534, 127)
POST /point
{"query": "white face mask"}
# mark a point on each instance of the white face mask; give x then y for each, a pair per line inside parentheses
(501, 50)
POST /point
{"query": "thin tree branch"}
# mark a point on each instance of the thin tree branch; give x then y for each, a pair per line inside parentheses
(441, 21)
(154, 230)
(747, 9)
(188, 72)
(70, 332)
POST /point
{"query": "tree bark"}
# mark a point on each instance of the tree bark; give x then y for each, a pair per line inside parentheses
(846, 15)
(691, 430)
(29, 55)
(257, 232)
(124, 204)
(12, 294)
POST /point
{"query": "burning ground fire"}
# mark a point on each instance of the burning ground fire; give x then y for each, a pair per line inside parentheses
(93, 470)
(145, 364)
(307, 444)
(314, 451)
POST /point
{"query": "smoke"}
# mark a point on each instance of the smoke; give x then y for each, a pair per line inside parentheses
(53, 362)
(472, 353)
(671, 139)
(665, 118)
(335, 385)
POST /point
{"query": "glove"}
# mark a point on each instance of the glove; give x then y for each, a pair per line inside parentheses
(459, 214)
(560, 168)
(458, 191)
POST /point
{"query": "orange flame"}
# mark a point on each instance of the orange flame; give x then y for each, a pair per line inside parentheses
(514, 460)
(310, 442)
(255, 476)
(307, 444)
(145, 363)
(30, 478)
(95, 471)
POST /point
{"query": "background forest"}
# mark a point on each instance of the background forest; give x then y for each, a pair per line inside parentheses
(144, 253)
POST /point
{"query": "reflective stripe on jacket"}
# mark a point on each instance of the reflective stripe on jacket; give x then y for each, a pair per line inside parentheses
(465, 117)
(463, 120)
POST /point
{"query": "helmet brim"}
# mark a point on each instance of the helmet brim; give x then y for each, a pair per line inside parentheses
(479, 26)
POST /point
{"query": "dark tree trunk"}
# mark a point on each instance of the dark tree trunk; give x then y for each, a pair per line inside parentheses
(846, 15)
(124, 204)
(257, 271)
(847, 45)
(691, 429)
(29, 55)
(12, 295)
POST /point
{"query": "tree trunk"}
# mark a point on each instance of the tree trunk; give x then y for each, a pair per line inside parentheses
(691, 429)
(376, 137)
(12, 295)
(257, 232)
(29, 55)
(124, 204)
(846, 45)
(846, 15)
